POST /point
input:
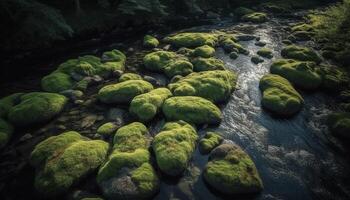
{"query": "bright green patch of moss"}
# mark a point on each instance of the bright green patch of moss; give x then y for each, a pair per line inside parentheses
(300, 53)
(192, 40)
(8, 102)
(123, 92)
(36, 107)
(265, 52)
(207, 64)
(113, 60)
(215, 86)
(209, 142)
(146, 106)
(131, 137)
(150, 41)
(256, 17)
(174, 146)
(6, 131)
(205, 51)
(107, 129)
(230, 45)
(146, 180)
(231, 171)
(300, 74)
(339, 124)
(192, 109)
(129, 76)
(57, 82)
(279, 96)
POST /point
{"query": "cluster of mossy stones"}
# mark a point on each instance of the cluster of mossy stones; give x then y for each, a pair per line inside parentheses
(130, 167)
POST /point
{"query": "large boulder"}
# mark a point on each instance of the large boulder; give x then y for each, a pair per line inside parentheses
(339, 124)
(209, 142)
(301, 74)
(128, 173)
(207, 64)
(123, 92)
(62, 161)
(300, 53)
(57, 82)
(204, 51)
(231, 171)
(146, 106)
(170, 63)
(256, 17)
(333, 78)
(8, 102)
(6, 130)
(36, 107)
(173, 147)
(279, 96)
(192, 109)
(192, 40)
(216, 85)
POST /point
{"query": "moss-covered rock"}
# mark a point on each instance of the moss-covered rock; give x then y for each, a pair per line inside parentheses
(6, 130)
(129, 76)
(233, 55)
(204, 51)
(300, 53)
(215, 86)
(107, 129)
(339, 124)
(207, 64)
(231, 171)
(57, 82)
(301, 74)
(209, 142)
(192, 40)
(241, 11)
(256, 60)
(170, 63)
(113, 60)
(279, 96)
(230, 45)
(173, 147)
(36, 107)
(192, 110)
(8, 102)
(333, 78)
(63, 160)
(123, 92)
(150, 41)
(128, 173)
(303, 27)
(146, 106)
(256, 17)
(265, 52)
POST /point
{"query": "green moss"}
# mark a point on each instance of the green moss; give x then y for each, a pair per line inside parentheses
(240, 11)
(300, 53)
(168, 62)
(129, 76)
(63, 160)
(36, 107)
(265, 52)
(204, 51)
(107, 129)
(230, 45)
(207, 64)
(146, 180)
(150, 41)
(123, 92)
(6, 131)
(233, 55)
(215, 86)
(231, 171)
(192, 109)
(113, 60)
(56, 82)
(333, 78)
(209, 142)
(173, 147)
(339, 124)
(146, 106)
(131, 137)
(8, 102)
(192, 40)
(300, 74)
(185, 51)
(303, 27)
(256, 60)
(279, 96)
(256, 17)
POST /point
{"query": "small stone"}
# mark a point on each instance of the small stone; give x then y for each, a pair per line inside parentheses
(245, 37)
(26, 137)
(117, 73)
(100, 118)
(131, 49)
(79, 102)
(256, 60)
(166, 47)
(88, 121)
(260, 44)
(72, 94)
(233, 55)
(76, 76)
(152, 80)
(61, 127)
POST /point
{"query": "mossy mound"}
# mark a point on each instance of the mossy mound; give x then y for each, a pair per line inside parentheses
(333, 78)
(129, 76)
(170, 63)
(150, 41)
(113, 60)
(146, 106)
(300, 53)
(301, 74)
(230, 45)
(207, 64)
(279, 96)
(265, 52)
(36, 107)
(173, 147)
(215, 86)
(256, 17)
(205, 51)
(209, 142)
(63, 160)
(107, 129)
(6, 131)
(192, 110)
(231, 171)
(57, 82)
(192, 40)
(339, 124)
(8, 102)
(256, 60)
(123, 92)
(128, 173)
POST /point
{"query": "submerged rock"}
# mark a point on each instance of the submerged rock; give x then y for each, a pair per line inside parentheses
(231, 171)
(6, 130)
(300, 53)
(123, 92)
(63, 160)
(256, 17)
(301, 74)
(150, 41)
(173, 147)
(216, 85)
(256, 59)
(339, 124)
(209, 142)
(207, 64)
(192, 40)
(192, 110)
(146, 106)
(279, 96)
(265, 52)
